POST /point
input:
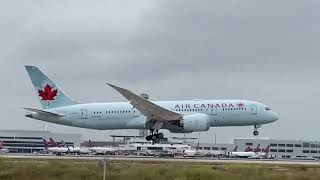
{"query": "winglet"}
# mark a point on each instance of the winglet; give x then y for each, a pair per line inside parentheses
(114, 86)
(110, 84)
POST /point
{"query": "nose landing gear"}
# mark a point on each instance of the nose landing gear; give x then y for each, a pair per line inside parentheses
(154, 135)
(256, 132)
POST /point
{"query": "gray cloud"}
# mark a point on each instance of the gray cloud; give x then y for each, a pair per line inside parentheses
(259, 50)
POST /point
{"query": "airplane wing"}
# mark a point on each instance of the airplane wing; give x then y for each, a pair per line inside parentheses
(43, 112)
(148, 108)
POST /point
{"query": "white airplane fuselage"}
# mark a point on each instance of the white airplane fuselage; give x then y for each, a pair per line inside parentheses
(250, 154)
(242, 154)
(4, 150)
(58, 149)
(198, 115)
(102, 150)
(79, 150)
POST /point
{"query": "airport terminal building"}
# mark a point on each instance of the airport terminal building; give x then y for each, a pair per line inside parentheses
(282, 148)
(24, 141)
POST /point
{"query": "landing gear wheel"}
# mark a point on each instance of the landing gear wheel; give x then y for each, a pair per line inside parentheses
(148, 138)
(160, 135)
(256, 133)
(154, 137)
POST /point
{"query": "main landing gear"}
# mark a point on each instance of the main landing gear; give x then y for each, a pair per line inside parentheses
(154, 135)
(256, 132)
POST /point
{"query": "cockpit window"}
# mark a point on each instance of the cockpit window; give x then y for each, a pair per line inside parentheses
(267, 108)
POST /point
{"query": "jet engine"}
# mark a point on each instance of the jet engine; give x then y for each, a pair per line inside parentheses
(195, 122)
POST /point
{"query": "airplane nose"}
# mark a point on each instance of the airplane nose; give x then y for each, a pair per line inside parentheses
(274, 116)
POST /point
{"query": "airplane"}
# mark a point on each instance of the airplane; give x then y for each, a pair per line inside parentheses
(54, 148)
(71, 149)
(139, 113)
(80, 150)
(264, 154)
(247, 154)
(102, 150)
(3, 150)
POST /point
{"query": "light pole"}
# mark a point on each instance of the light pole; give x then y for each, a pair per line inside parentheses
(104, 161)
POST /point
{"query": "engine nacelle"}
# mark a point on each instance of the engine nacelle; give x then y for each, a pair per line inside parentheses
(196, 122)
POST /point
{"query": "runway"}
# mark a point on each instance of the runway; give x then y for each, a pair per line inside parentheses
(159, 160)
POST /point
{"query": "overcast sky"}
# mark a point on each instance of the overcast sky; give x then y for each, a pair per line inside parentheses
(266, 51)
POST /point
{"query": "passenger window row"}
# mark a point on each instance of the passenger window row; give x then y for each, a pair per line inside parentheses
(234, 109)
(224, 109)
(113, 112)
(193, 110)
(179, 110)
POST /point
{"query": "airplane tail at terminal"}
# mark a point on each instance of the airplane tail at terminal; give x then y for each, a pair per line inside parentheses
(257, 149)
(46, 144)
(1, 144)
(267, 149)
(50, 95)
(235, 149)
(54, 144)
(248, 149)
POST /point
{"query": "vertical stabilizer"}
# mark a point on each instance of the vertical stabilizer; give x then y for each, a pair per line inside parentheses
(49, 94)
(267, 150)
(45, 144)
(235, 149)
(257, 149)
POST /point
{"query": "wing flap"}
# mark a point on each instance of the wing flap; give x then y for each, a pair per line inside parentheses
(148, 108)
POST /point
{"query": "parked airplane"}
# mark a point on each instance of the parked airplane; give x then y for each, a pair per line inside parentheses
(139, 113)
(261, 155)
(3, 150)
(246, 154)
(54, 148)
(80, 150)
(102, 150)
(71, 149)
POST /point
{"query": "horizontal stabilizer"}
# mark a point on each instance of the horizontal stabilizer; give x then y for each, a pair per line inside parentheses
(43, 112)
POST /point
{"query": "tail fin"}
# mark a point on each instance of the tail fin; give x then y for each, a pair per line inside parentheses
(235, 149)
(257, 149)
(1, 144)
(248, 149)
(50, 95)
(267, 149)
(53, 143)
(46, 144)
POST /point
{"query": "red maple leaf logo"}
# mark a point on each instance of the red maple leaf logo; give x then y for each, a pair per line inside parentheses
(47, 94)
(241, 104)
